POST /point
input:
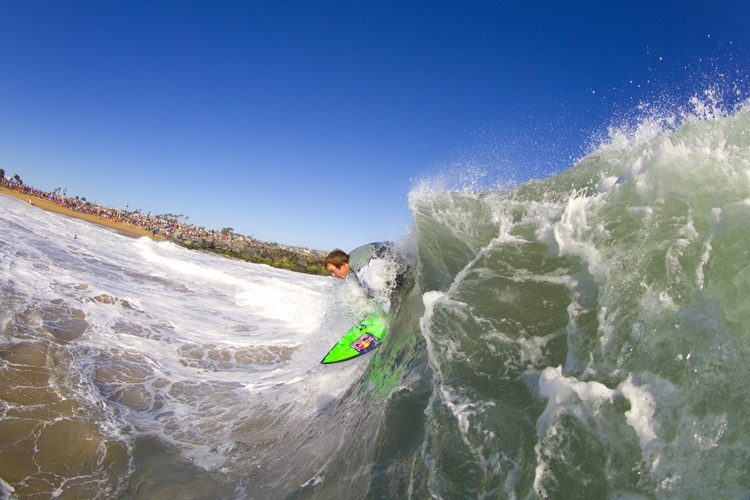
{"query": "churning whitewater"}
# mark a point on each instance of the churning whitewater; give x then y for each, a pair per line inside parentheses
(579, 336)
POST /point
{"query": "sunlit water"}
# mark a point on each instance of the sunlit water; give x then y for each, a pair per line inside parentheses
(579, 336)
(131, 367)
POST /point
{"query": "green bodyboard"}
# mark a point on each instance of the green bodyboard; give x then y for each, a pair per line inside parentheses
(360, 339)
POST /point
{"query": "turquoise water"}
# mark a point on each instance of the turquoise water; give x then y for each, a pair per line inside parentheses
(578, 336)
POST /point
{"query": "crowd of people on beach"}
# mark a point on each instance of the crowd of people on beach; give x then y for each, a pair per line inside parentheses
(155, 225)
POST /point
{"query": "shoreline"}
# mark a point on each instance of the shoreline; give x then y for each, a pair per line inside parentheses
(236, 246)
(51, 206)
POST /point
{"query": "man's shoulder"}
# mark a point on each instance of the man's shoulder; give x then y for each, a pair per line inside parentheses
(360, 256)
(376, 249)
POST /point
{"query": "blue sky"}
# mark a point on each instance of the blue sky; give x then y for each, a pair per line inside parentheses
(308, 122)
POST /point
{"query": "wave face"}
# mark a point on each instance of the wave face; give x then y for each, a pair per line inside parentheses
(578, 336)
(588, 332)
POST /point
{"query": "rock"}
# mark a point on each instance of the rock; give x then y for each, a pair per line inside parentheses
(291, 258)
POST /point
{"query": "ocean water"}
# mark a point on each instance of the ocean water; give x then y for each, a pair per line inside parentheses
(579, 336)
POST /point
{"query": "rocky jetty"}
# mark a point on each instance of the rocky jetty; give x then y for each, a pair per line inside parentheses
(243, 247)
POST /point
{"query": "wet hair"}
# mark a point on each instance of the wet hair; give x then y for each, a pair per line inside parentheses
(338, 258)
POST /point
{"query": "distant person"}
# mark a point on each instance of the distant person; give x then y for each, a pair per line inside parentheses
(376, 267)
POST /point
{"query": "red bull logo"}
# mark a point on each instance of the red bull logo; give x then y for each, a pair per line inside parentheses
(364, 343)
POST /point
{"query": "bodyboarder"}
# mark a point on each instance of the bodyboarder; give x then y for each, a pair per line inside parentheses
(374, 266)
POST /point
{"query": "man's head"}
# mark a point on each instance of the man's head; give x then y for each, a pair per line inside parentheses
(337, 263)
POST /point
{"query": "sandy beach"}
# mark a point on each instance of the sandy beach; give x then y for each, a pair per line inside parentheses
(95, 219)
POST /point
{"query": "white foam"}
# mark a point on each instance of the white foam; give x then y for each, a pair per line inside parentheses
(568, 395)
(187, 344)
(571, 234)
(429, 298)
(641, 413)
